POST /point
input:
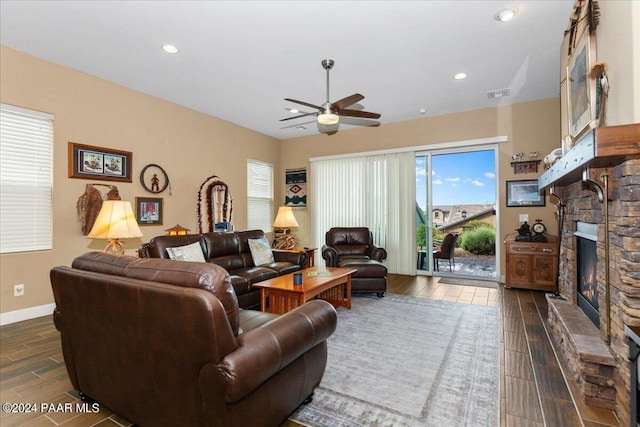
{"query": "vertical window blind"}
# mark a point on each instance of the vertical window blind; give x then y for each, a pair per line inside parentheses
(26, 179)
(259, 195)
(377, 192)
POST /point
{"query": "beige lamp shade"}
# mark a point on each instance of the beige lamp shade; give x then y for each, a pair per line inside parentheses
(284, 221)
(328, 118)
(115, 221)
(285, 218)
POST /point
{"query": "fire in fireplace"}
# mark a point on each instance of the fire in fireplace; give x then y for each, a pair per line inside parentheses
(586, 267)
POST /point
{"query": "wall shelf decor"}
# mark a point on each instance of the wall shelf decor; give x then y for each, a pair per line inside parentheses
(525, 166)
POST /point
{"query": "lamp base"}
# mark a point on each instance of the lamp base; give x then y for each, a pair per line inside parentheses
(284, 239)
(114, 247)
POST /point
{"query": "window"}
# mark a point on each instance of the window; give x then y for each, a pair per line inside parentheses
(259, 195)
(26, 179)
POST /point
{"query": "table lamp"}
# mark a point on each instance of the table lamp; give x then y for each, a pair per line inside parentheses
(115, 221)
(282, 228)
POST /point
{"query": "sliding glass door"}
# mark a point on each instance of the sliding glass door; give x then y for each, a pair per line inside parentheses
(456, 195)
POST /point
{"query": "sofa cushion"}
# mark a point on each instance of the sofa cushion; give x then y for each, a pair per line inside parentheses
(158, 245)
(255, 274)
(191, 253)
(260, 251)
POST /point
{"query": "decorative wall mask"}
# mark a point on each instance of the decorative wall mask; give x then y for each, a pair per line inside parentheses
(89, 204)
(215, 204)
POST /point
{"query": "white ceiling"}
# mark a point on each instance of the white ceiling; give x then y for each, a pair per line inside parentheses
(238, 60)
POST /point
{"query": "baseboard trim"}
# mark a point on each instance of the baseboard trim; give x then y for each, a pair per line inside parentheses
(26, 314)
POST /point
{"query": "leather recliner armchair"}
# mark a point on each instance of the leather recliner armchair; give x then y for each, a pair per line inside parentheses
(353, 247)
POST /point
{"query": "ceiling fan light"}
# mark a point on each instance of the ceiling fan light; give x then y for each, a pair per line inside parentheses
(328, 118)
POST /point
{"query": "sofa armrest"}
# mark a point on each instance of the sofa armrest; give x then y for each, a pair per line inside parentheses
(294, 257)
(330, 255)
(143, 251)
(266, 350)
(377, 253)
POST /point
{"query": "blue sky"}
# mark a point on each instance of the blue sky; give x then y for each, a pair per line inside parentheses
(461, 178)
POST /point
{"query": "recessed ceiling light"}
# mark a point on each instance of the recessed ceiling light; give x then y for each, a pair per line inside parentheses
(423, 111)
(460, 76)
(506, 15)
(294, 110)
(169, 48)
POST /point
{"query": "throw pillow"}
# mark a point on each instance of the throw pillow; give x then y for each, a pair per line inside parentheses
(260, 251)
(192, 252)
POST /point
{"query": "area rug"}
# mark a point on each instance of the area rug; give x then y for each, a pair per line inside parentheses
(404, 361)
(468, 282)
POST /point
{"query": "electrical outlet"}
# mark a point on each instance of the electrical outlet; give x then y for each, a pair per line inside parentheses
(18, 290)
(524, 217)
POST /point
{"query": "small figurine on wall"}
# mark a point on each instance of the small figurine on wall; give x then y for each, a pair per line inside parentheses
(155, 181)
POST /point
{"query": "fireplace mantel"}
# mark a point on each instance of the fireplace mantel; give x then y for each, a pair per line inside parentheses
(598, 148)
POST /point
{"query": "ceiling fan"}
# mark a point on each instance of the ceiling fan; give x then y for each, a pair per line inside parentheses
(328, 114)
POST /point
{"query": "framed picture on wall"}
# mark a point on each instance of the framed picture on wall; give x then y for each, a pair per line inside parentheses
(149, 210)
(90, 162)
(580, 88)
(524, 193)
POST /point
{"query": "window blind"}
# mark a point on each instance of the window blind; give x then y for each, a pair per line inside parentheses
(259, 195)
(26, 179)
(376, 191)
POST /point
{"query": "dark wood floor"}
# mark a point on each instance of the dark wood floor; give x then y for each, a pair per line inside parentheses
(533, 389)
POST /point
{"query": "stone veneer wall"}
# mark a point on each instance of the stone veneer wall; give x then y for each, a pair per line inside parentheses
(624, 261)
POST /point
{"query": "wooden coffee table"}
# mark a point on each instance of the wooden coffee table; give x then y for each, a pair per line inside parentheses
(328, 283)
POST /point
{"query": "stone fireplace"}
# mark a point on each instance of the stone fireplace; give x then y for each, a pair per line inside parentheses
(600, 272)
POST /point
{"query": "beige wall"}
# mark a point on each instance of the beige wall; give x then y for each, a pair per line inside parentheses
(618, 44)
(190, 146)
(530, 126)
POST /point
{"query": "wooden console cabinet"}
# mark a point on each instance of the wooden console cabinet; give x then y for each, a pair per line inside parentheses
(532, 265)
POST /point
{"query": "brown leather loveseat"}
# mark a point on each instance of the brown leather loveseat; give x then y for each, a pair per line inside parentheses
(231, 252)
(163, 343)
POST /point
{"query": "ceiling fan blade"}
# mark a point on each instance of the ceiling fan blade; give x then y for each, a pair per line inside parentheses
(357, 113)
(306, 104)
(348, 101)
(300, 125)
(354, 121)
(298, 116)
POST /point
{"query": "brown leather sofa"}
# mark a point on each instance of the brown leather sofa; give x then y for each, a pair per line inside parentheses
(163, 343)
(231, 252)
(353, 247)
